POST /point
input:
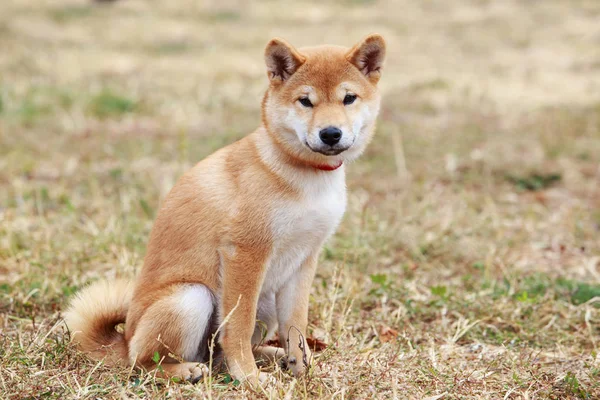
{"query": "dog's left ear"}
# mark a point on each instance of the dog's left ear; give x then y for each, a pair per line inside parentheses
(368, 56)
(282, 60)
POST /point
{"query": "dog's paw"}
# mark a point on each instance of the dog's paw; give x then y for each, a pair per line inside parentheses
(193, 372)
(260, 379)
(298, 364)
(266, 379)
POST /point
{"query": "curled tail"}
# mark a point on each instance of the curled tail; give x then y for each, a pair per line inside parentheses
(92, 318)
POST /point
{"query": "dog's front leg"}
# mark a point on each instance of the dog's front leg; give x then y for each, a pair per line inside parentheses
(292, 312)
(242, 281)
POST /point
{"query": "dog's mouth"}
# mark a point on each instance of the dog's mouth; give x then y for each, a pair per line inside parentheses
(329, 150)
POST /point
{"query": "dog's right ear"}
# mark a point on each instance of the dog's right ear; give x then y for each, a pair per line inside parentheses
(282, 60)
(368, 56)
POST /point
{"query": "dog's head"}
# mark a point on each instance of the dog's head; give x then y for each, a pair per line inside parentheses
(322, 102)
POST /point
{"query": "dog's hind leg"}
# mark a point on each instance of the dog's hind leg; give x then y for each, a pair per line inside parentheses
(266, 319)
(174, 332)
(266, 326)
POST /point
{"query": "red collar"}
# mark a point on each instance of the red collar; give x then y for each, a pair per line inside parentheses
(327, 167)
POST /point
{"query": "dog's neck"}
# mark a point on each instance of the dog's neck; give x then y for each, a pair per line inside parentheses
(273, 152)
(274, 156)
(327, 167)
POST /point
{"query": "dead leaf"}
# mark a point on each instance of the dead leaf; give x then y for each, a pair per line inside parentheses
(540, 197)
(387, 334)
(316, 345)
(272, 342)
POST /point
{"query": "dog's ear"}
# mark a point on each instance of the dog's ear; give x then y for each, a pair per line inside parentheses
(282, 60)
(368, 56)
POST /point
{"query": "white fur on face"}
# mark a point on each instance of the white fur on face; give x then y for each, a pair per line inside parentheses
(362, 128)
(298, 124)
(296, 128)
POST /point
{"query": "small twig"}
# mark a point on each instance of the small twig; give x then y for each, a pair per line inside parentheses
(301, 346)
(211, 348)
(171, 352)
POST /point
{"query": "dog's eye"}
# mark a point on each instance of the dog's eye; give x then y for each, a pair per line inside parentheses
(349, 99)
(305, 102)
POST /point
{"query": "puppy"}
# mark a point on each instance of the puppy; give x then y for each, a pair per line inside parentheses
(237, 240)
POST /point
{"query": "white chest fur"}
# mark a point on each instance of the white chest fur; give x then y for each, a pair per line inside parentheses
(300, 227)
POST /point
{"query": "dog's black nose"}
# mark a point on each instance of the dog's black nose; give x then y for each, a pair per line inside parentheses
(330, 135)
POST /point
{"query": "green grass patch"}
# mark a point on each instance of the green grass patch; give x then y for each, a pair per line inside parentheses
(32, 110)
(534, 288)
(72, 12)
(108, 104)
(579, 292)
(224, 15)
(534, 182)
(574, 387)
(169, 47)
(35, 105)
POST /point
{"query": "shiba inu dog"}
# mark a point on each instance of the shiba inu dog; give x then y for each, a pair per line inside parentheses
(238, 237)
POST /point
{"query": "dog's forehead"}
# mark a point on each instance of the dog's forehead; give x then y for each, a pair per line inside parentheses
(325, 69)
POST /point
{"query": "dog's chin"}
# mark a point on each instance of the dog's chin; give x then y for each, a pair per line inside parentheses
(328, 151)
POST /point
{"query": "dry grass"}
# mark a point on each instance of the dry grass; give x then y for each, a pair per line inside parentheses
(467, 265)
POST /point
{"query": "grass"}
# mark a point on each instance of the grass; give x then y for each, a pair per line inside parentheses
(107, 104)
(467, 265)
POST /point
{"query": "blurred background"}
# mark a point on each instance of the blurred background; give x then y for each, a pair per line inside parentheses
(471, 241)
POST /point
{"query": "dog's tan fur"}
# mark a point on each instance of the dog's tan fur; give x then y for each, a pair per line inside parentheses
(239, 235)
